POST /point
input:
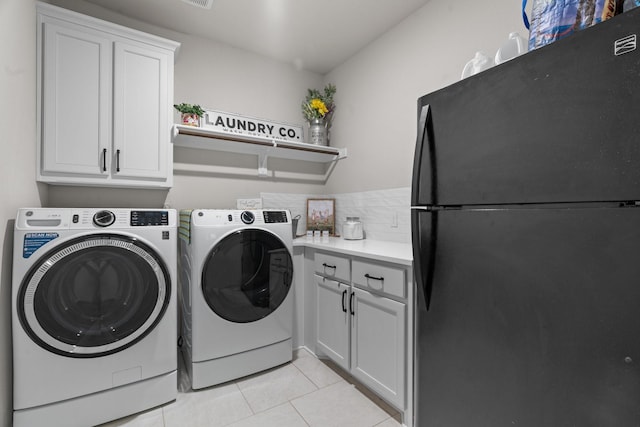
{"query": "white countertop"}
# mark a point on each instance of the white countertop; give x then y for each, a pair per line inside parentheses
(398, 253)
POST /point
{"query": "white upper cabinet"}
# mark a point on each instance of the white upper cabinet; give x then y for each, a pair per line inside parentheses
(105, 97)
(141, 137)
(76, 100)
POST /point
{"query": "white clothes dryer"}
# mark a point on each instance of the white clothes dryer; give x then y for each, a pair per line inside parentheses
(236, 298)
(94, 314)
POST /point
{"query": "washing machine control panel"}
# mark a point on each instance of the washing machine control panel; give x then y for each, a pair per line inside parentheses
(271, 217)
(149, 218)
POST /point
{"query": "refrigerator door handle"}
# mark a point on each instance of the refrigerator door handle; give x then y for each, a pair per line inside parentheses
(421, 171)
(424, 260)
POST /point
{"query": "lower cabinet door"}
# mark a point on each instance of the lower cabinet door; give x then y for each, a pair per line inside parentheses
(378, 345)
(333, 320)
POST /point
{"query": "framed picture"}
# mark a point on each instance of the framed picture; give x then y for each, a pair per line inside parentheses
(321, 215)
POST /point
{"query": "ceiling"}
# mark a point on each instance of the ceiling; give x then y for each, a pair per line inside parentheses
(311, 34)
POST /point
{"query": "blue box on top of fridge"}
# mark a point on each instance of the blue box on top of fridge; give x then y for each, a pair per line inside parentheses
(554, 19)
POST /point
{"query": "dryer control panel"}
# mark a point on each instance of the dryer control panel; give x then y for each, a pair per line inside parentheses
(255, 217)
(271, 217)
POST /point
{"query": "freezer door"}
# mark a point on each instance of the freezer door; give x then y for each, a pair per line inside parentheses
(533, 320)
(558, 124)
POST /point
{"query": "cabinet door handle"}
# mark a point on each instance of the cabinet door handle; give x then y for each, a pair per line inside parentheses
(117, 160)
(104, 160)
(374, 277)
(344, 301)
(351, 303)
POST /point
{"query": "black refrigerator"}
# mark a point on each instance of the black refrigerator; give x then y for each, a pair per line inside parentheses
(526, 238)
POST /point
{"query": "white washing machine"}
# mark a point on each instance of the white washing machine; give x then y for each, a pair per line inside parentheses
(94, 314)
(237, 302)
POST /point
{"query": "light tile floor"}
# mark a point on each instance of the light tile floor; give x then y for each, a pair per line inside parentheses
(305, 392)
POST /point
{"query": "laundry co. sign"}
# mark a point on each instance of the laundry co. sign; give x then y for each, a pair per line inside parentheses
(233, 124)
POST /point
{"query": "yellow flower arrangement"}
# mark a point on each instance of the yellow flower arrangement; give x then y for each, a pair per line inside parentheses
(319, 105)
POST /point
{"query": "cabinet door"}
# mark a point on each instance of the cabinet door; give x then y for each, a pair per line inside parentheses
(76, 100)
(141, 112)
(333, 320)
(378, 345)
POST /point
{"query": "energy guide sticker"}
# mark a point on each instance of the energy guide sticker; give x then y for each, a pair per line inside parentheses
(34, 241)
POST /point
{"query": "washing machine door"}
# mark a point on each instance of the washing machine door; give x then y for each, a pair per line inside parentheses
(247, 275)
(94, 295)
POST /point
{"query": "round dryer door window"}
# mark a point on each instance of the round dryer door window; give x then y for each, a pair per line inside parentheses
(94, 295)
(247, 275)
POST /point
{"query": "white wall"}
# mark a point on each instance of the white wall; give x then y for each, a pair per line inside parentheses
(378, 88)
(17, 162)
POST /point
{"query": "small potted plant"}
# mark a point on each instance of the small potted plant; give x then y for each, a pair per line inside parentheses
(191, 113)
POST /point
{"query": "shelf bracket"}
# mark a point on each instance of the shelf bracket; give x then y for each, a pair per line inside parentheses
(263, 156)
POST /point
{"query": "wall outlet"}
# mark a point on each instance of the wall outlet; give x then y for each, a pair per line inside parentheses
(249, 203)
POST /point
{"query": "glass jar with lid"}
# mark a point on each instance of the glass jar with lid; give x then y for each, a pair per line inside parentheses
(352, 228)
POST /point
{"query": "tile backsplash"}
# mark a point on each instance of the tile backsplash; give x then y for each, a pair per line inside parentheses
(385, 214)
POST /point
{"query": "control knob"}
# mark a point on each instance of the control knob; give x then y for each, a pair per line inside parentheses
(247, 217)
(104, 218)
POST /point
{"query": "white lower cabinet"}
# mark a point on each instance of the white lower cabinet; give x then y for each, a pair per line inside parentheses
(378, 344)
(333, 320)
(364, 331)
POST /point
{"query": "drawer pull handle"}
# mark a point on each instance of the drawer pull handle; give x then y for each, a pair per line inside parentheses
(325, 265)
(374, 277)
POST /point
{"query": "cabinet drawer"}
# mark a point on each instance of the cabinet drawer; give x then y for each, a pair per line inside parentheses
(332, 266)
(381, 278)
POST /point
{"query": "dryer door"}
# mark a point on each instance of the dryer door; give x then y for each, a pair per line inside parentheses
(247, 275)
(94, 295)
